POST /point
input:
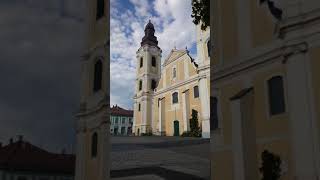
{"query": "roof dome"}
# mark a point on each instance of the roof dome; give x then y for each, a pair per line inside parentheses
(149, 25)
(149, 37)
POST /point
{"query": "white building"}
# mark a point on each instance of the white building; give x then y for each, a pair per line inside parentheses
(121, 121)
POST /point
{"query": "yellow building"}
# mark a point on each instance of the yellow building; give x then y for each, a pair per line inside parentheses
(265, 91)
(93, 118)
(165, 97)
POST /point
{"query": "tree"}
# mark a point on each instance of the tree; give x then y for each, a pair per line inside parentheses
(201, 13)
(270, 166)
(194, 124)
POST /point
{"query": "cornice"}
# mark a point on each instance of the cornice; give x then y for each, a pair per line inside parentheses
(178, 85)
(279, 53)
(298, 22)
(90, 51)
(96, 109)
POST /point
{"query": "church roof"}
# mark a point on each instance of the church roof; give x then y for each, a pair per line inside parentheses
(149, 37)
(175, 54)
(118, 111)
(23, 156)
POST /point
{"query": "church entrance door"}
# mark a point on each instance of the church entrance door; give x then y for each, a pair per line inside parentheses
(176, 128)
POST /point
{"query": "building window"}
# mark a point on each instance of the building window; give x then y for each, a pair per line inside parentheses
(214, 121)
(97, 76)
(209, 48)
(123, 130)
(153, 84)
(123, 120)
(174, 72)
(153, 62)
(139, 107)
(94, 145)
(195, 91)
(116, 120)
(100, 9)
(174, 98)
(140, 85)
(141, 62)
(276, 95)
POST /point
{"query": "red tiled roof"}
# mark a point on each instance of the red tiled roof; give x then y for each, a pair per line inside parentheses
(118, 111)
(23, 156)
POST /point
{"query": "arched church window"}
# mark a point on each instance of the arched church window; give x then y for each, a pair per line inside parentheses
(94, 145)
(196, 91)
(153, 61)
(140, 85)
(214, 121)
(100, 9)
(139, 107)
(209, 48)
(153, 84)
(97, 76)
(175, 98)
(276, 95)
(141, 62)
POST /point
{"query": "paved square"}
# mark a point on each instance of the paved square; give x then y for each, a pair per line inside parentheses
(161, 157)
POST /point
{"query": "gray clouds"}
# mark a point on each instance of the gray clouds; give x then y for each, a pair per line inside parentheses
(40, 49)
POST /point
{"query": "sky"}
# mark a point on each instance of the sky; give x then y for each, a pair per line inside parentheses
(173, 27)
(41, 44)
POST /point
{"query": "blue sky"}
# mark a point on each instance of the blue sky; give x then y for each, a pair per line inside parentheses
(173, 25)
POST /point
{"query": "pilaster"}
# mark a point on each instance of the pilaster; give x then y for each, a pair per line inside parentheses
(305, 148)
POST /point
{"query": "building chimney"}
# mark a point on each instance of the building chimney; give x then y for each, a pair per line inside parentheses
(20, 138)
(10, 141)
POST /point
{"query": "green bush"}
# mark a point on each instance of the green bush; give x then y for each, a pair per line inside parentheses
(271, 163)
(186, 134)
(195, 130)
(147, 134)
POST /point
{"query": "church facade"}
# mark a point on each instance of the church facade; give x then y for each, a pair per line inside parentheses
(165, 97)
(265, 88)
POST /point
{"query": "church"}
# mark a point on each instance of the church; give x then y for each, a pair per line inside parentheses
(167, 94)
(265, 88)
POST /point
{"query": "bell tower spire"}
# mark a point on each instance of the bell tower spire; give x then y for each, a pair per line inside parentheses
(149, 37)
(148, 76)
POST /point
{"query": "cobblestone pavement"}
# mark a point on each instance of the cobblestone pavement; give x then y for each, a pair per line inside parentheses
(160, 157)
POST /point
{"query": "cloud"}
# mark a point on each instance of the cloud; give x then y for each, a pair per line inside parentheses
(174, 27)
(39, 68)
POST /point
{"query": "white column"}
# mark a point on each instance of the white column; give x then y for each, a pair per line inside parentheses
(300, 113)
(160, 116)
(134, 118)
(152, 117)
(144, 115)
(238, 165)
(244, 137)
(205, 107)
(185, 101)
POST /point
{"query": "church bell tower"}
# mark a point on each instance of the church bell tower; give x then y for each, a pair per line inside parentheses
(92, 120)
(147, 78)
